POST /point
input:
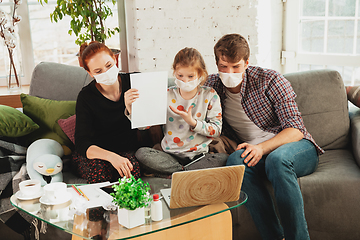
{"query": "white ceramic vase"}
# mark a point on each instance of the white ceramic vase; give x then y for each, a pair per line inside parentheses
(131, 218)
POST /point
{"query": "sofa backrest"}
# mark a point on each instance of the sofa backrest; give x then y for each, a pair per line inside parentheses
(322, 101)
(58, 81)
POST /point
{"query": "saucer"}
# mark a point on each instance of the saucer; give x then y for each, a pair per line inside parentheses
(21, 196)
(46, 201)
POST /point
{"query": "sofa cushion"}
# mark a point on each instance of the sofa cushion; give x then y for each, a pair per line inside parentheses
(331, 196)
(68, 127)
(322, 101)
(14, 123)
(45, 113)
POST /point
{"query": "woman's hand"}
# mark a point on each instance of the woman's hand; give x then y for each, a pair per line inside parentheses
(122, 165)
(186, 115)
(253, 152)
(130, 96)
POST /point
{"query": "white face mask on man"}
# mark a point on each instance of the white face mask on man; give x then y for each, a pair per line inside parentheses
(189, 86)
(109, 77)
(231, 80)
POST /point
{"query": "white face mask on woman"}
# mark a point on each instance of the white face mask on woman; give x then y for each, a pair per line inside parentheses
(109, 77)
(231, 80)
(189, 86)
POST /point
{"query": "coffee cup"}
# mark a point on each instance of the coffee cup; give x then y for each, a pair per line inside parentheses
(29, 187)
(61, 214)
(30, 206)
(55, 192)
(51, 214)
(64, 214)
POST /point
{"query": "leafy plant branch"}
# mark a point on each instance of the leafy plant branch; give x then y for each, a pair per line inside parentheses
(87, 18)
(131, 194)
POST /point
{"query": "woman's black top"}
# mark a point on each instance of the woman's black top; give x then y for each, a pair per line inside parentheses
(101, 121)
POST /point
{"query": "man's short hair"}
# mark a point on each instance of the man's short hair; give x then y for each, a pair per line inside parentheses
(232, 48)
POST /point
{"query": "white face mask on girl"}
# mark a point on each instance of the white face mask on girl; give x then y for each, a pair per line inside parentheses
(109, 77)
(189, 86)
(231, 80)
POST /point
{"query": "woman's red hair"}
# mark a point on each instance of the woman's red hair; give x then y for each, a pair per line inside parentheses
(87, 51)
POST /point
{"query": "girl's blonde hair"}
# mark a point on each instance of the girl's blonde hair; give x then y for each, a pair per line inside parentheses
(190, 57)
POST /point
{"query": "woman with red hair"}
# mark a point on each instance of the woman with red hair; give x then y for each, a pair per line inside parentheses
(104, 141)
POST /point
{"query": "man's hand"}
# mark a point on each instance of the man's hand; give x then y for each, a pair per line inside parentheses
(186, 115)
(130, 96)
(122, 165)
(253, 152)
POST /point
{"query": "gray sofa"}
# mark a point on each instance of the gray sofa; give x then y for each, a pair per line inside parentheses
(331, 194)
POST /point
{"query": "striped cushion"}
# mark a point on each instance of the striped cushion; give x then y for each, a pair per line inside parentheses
(353, 94)
(68, 126)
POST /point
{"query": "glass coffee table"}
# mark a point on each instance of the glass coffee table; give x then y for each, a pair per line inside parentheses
(97, 223)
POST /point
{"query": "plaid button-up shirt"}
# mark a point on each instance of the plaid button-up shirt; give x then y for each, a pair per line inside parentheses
(267, 99)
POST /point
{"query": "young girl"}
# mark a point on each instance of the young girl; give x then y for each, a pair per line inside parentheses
(193, 120)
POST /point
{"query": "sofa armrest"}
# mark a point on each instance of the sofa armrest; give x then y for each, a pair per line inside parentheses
(354, 115)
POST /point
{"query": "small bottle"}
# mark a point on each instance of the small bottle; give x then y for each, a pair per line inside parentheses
(156, 208)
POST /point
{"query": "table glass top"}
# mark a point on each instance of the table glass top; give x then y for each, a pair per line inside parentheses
(102, 221)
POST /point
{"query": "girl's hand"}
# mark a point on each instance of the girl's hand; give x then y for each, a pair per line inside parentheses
(253, 152)
(122, 165)
(130, 96)
(186, 115)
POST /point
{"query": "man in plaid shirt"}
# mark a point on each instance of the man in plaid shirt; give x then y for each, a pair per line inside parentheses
(261, 115)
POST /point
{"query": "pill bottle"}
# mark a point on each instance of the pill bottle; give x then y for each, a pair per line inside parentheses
(156, 208)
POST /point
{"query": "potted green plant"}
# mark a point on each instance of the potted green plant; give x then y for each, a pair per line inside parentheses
(131, 196)
(88, 19)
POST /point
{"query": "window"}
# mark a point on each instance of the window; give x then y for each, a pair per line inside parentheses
(323, 34)
(7, 7)
(43, 40)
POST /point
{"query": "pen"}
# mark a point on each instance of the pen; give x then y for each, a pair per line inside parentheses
(195, 160)
(79, 192)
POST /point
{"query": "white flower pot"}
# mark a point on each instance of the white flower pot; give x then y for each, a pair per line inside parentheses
(131, 218)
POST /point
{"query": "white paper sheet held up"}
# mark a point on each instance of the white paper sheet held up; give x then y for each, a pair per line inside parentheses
(150, 108)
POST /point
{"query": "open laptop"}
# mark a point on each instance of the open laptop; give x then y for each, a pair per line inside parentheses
(204, 186)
